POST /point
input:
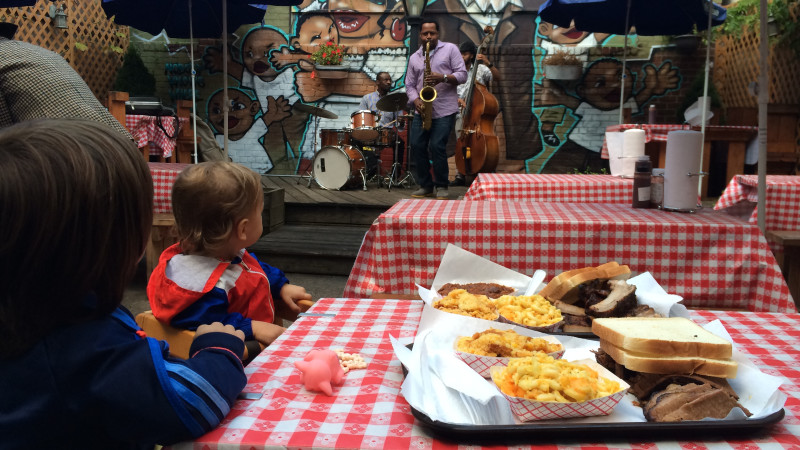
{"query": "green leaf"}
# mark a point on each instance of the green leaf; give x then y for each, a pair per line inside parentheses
(81, 46)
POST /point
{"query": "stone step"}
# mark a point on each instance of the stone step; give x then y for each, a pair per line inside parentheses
(311, 249)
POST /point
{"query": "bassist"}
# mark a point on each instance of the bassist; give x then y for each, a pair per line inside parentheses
(485, 74)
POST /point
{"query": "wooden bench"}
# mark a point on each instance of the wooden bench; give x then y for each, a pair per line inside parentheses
(789, 259)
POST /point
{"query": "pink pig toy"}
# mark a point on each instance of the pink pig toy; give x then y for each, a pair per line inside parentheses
(319, 370)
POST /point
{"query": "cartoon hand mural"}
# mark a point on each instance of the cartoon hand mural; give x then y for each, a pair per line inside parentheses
(658, 82)
(277, 110)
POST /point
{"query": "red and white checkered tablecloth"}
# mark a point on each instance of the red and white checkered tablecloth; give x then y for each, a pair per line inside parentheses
(551, 188)
(164, 175)
(711, 259)
(783, 199)
(656, 132)
(369, 411)
(146, 132)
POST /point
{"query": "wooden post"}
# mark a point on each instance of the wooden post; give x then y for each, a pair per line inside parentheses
(116, 105)
(184, 143)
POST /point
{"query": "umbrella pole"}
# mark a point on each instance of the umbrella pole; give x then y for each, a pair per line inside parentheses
(763, 99)
(194, 91)
(705, 99)
(624, 63)
(225, 100)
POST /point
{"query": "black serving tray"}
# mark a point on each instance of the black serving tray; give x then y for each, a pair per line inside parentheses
(539, 432)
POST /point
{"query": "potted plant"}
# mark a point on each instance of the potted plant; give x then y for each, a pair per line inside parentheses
(687, 43)
(562, 65)
(328, 60)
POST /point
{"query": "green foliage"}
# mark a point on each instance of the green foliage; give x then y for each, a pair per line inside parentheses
(744, 16)
(133, 77)
(588, 171)
(694, 92)
(329, 54)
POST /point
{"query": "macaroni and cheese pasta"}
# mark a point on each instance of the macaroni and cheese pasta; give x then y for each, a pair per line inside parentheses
(505, 344)
(528, 310)
(459, 301)
(545, 379)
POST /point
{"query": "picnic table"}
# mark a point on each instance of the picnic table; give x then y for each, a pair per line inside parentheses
(711, 259)
(369, 410)
(551, 188)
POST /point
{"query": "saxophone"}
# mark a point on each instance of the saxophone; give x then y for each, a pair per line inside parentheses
(428, 92)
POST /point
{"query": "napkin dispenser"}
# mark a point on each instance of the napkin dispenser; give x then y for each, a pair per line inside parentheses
(682, 170)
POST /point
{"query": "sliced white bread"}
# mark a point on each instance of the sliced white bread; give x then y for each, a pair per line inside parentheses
(662, 337)
(553, 284)
(567, 291)
(689, 365)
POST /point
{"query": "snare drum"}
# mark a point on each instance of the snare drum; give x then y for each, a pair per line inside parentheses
(334, 137)
(363, 125)
(386, 137)
(338, 167)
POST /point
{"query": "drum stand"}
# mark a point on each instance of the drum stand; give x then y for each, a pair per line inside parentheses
(310, 171)
(396, 166)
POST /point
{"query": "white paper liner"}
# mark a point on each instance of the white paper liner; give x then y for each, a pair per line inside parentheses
(528, 410)
(482, 364)
(544, 329)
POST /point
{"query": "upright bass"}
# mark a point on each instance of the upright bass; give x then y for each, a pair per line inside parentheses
(477, 145)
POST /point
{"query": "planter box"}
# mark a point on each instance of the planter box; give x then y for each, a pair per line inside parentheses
(563, 72)
(274, 210)
(331, 72)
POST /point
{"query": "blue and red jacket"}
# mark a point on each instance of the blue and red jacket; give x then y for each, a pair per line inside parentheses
(186, 291)
(101, 384)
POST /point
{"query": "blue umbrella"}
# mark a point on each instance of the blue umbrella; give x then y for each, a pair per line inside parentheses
(16, 3)
(650, 18)
(182, 18)
(178, 18)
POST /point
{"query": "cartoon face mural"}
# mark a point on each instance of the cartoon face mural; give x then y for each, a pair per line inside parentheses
(241, 114)
(368, 22)
(601, 85)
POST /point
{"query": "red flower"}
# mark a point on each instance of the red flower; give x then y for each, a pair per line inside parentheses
(324, 55)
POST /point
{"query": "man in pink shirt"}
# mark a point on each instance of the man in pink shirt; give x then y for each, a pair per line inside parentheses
(447, 72)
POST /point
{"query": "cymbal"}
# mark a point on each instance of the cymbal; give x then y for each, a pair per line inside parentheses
(395, 101)
(315, 111)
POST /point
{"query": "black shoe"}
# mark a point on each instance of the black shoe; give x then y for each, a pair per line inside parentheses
(458, 181)
(551, 139)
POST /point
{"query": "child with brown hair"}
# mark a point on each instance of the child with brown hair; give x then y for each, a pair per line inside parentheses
(209, 276)
(75, 369)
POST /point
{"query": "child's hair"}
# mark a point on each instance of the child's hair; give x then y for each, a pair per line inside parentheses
(77, 210)
(208, 199)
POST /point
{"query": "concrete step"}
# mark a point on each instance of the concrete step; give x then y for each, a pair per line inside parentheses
(312, 249)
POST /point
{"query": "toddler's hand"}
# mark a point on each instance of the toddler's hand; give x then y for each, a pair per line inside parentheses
(291, 294)
(265, 332)
(218, 327)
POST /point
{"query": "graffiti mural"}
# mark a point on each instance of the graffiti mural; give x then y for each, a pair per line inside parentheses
(556, 126)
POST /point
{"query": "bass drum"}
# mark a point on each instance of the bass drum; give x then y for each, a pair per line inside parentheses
(338, 167)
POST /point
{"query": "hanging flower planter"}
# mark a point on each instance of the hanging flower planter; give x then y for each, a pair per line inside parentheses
(569, 72)
(336, 72)
(687, 43)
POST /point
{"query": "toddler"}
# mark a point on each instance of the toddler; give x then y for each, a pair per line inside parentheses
(209, 276)
(75, 369)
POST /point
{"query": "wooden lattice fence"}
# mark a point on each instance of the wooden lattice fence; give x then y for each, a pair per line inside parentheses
(737, 65)
(87, 25)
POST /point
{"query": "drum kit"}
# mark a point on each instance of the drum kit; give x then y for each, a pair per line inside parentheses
(349, 157)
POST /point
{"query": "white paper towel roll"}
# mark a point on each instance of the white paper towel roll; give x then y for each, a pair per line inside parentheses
(632, 149)
(683, 159)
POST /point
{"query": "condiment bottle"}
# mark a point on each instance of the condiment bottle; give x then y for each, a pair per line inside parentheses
(657, 189)
(651, 114)
(641, 182)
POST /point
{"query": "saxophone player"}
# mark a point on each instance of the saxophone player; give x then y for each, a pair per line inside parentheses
(437, 65)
